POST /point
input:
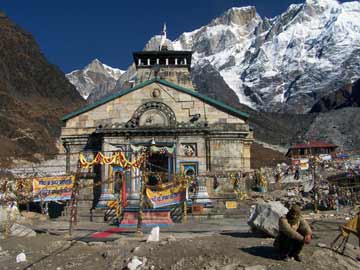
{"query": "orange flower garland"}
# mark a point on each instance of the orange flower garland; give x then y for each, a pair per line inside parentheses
(117, 159)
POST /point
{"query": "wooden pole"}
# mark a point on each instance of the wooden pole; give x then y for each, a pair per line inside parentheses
(123, 189)
(139, 231)
(316, 195)
(185, 213)
(73, 201)
(140, 212)
(120, 198)
(186, 183)
(71, 212)
(174, 163)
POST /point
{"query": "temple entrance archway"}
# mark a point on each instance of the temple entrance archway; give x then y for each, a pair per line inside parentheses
(160, 168)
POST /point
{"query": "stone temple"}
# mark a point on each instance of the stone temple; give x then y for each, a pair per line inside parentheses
(162, 110)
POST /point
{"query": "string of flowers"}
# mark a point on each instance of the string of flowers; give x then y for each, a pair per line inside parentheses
(118, 159)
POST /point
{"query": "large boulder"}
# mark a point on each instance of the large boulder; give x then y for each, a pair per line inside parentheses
(8, 216)
(265, 217)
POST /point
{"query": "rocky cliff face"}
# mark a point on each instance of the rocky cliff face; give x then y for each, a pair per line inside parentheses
(340, 127)
(94, 79)
(33, 96)
(209, 82)
(346, 96)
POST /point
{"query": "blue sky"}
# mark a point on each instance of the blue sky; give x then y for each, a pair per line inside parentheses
(73, 32)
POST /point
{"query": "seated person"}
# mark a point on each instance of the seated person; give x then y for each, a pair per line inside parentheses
(294, 232)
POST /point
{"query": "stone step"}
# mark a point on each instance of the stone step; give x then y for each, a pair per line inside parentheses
(214, 216)
(96, 217)
(229, 211)
(85, 203)
(204, 216)
(150, 217)
(84, 218)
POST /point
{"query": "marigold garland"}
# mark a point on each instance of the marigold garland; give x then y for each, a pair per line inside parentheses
(117, 159)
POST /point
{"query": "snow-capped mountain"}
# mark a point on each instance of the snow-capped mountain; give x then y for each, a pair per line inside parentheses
(286, 63)
(96, 76)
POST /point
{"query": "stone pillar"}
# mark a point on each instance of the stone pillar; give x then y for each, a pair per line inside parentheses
(133, 196)
(72, 148)
(106, 193)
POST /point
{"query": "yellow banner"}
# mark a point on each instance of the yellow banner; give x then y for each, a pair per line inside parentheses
(166, 197)
(57, 188)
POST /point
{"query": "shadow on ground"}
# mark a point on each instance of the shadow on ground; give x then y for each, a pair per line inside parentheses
(266, 252)
(244, 234)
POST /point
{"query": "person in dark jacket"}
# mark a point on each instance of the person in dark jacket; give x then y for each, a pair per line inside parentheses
(294, 232)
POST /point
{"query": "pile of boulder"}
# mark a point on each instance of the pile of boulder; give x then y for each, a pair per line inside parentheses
(287, 197)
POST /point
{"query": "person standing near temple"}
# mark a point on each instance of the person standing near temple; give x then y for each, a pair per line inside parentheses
(294, 232)
(297, 172)
(278, 174)
(337, 203)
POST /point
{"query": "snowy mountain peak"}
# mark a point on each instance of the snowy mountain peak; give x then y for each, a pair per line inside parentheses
(94, 75)
(239, 16)
(95, 66)
(98, 67)
(321, 7)
(283, 63)
(286, 63)
(96, 61)
(322, 3)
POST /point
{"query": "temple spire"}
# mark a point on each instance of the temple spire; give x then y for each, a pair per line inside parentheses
(163, 39)
(164, 31)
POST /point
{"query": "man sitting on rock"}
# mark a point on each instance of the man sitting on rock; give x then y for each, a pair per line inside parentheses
(294, 232)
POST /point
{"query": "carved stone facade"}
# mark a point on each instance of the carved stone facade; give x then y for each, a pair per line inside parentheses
(205, 135)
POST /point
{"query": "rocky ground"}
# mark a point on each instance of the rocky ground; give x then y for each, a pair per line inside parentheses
(200, 244)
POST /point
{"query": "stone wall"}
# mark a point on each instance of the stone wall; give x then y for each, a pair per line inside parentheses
(229, 154)
(177, 75)
(121, 110)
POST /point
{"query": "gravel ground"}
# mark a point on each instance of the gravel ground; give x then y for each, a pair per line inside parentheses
(208, 244)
